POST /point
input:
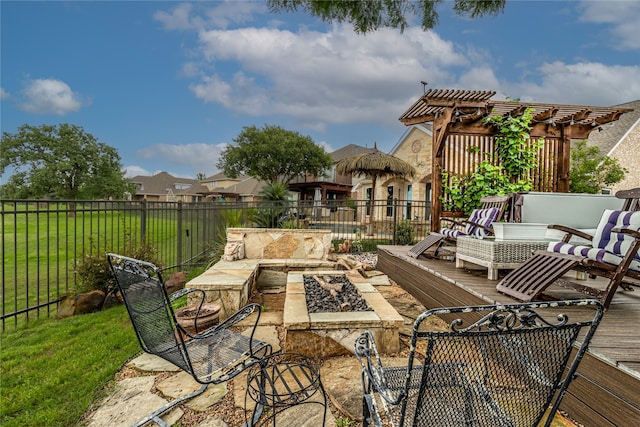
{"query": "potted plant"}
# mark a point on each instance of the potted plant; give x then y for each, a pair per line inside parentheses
(196, 318)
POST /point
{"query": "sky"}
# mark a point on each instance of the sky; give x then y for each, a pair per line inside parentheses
(170, 84)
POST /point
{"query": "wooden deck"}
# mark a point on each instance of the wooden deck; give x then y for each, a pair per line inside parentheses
(606, 391)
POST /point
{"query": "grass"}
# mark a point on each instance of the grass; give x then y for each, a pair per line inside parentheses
(42, 245)
(52, 370)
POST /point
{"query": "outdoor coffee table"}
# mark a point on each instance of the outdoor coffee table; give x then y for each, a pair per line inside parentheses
(496, 254)
(283, 380)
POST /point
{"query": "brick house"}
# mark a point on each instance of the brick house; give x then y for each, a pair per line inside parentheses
(621, 140)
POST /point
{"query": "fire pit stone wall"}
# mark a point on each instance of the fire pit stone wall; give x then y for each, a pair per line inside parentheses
(333, 334)
(233, 278)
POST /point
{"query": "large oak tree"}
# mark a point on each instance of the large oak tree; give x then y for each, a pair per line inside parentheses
(370, 15)
(273, 154)
(60, 161)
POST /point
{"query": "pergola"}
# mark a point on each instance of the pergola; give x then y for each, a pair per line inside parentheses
(457, 117)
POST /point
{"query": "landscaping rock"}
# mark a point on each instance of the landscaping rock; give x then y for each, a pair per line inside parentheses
(150, 363)
(67, 307)
(213, 421)
(175, 282)
(268, 334)
(341, 380)
(131, 402)
(183, 384)
(111, 300)
(89, 302)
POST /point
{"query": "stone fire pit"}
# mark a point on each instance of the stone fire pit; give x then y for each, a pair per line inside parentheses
(329, 334)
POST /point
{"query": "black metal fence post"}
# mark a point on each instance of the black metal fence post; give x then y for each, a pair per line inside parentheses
(143, 221)
(395, 220)
(179, 236)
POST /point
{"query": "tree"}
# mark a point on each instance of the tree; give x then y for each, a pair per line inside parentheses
(591, 171)
(371, 15)
(274, 206)
(60, 161)
(273, 154)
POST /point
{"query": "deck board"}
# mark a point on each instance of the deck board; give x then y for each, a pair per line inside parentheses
(607, 391)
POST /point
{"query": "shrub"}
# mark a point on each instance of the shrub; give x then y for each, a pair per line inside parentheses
(93, 269)
(404, 233)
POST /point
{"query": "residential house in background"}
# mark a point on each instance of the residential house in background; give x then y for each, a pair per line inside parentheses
(332, 187)
(241, 189)
(621, 140)
(164, 187)
(414, 147)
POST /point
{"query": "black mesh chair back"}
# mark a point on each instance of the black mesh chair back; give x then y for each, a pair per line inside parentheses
(493, 366)
(214, 355)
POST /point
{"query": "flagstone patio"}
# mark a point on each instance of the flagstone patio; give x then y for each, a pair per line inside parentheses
(147, 382)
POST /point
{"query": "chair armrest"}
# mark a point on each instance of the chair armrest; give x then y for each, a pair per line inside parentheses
(631, 232)
(569, 232)
(372, 371)
(454, 222)
(184, 291)
(476, 225)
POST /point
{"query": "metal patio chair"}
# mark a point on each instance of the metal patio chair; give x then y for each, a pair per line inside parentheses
(211, 356)
(498, 365)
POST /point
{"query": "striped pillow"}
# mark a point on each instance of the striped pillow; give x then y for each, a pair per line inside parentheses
(485, 217)
(616, 243)
(596, 254)
(451, 233)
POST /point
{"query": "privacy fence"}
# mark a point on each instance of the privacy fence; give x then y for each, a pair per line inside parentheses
(44, 242)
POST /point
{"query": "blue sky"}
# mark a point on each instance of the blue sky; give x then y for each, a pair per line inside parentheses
(170, 83)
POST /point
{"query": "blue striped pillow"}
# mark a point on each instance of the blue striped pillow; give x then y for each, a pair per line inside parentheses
(616, 243)
(485, 217)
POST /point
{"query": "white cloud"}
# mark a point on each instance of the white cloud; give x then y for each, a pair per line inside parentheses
(49, 96)
(179, 18)
(622, 16)
(4, 94)
(133, 170)
(319, 78)
(199, 157)
(577, 83)
(188, 16)
(339, 77)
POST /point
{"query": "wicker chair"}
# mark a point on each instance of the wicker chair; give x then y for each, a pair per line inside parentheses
(498, 366)
(478, 225)
(613, 254)
(213, 355)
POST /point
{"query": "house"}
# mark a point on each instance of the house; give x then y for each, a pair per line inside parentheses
(414, 147)
(621, 140)
(164, 187)
(245, 189)
(332, 187)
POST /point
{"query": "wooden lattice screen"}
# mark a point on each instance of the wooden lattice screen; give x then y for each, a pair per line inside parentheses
(462, 153)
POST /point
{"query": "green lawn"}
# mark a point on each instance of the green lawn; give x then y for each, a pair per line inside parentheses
(52, 370)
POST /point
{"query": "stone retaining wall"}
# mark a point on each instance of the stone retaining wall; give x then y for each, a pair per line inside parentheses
(232, 279)
(280, 243)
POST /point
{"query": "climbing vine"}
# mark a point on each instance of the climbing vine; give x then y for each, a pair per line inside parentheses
(516, 155)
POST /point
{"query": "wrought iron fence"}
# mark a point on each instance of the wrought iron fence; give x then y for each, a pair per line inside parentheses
(43, 242)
